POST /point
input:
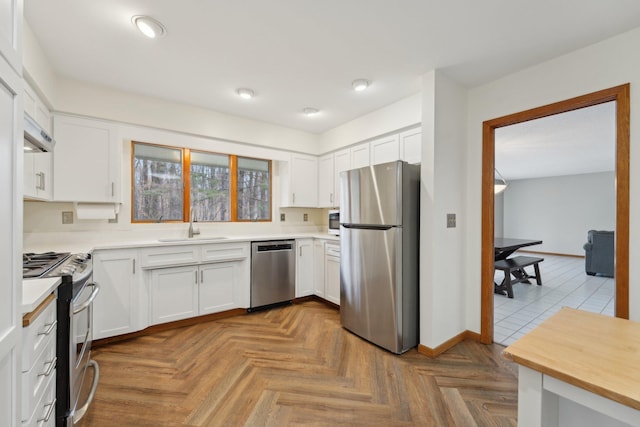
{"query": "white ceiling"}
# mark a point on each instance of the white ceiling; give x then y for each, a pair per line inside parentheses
(572, 143)
(303, 53)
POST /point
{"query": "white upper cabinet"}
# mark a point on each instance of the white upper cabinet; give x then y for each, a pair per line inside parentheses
(300, 181)
(86, 163)
(411, 145)
(341, 163)
(37, 175)
(11, 33)
(385, 149)
(326, 189)
(36, 109)
(360, 156)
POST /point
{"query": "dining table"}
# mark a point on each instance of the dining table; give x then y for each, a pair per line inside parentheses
(504, 246)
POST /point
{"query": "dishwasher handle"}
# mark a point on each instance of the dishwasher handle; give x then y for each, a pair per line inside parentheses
(272, 247)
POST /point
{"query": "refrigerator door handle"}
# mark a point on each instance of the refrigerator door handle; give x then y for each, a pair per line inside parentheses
(369, 227)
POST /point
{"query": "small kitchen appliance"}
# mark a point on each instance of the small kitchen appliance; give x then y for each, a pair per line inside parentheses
(334, 222)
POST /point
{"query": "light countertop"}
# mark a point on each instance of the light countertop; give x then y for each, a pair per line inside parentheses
(598, 353)
(34, 291)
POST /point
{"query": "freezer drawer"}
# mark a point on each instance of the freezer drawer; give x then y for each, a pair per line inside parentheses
(273, 272)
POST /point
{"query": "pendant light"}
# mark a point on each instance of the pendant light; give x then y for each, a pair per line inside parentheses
(499, 183)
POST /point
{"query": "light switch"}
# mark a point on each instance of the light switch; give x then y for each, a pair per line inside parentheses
(451, 220)
(281, 217)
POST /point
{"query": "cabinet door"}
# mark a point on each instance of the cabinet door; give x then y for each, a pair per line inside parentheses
(341, 163)
(332, 279)
(86, 161)
(304, 268)
(304, 181)
(385, 150)
(360, 156)
(411, 145)
(11, 33)
(326, 188)
(114, 311)
(174, 293)
(37, 175)
(11, 136)
(219, 287)
(318, 268)
(332, 273)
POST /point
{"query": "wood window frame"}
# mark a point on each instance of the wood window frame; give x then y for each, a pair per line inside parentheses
(619, 94)
(186, 184)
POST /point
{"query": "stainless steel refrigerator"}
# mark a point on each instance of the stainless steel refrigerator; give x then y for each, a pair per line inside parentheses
(379, 235)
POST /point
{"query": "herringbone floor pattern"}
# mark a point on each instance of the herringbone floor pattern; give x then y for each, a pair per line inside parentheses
(294, 366)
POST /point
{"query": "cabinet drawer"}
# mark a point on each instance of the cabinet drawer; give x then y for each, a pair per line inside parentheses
(225, 252)
(35, 336)
(35, 381)
(44, 413)
(170, 256)
(332, 250)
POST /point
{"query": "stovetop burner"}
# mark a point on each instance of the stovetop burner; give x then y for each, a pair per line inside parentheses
(36, 265)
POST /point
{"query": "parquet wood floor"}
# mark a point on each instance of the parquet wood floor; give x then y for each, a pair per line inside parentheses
(294, 366)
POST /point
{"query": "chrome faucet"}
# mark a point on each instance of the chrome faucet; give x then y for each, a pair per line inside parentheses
(192, 231)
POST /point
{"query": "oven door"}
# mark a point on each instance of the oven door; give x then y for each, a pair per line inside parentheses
(81, 312)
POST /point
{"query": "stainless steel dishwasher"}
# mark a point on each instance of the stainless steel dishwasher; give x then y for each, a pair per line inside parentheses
(273, 272)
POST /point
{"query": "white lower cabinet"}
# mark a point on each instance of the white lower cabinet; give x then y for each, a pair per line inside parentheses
(39, 366)
(174, 293)
(332, 273)
(116, 307)
(304, 268)
(216, 279)
(220, 287)
(318, 268)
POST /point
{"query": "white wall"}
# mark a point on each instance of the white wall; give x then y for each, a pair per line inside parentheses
(560, 210)
(393, 117)
(602, 65)
(442, 191)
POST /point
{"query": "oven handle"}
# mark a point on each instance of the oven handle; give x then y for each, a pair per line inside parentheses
(79, 413)
(87, 303)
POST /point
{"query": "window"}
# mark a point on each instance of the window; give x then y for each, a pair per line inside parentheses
(254, 189)
(169, 183)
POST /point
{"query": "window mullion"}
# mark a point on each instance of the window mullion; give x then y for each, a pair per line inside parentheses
(186, 185)
(233, 186)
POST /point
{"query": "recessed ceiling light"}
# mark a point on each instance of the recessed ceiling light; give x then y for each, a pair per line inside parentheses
(245, 93)
(149, 26)
(310, 111)
(360, 84)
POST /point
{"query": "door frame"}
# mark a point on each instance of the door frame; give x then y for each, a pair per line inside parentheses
(620, 94)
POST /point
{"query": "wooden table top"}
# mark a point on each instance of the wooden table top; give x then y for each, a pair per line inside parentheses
(503, 243)
(595, 352)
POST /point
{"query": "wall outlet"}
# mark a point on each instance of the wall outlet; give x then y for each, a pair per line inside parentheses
(67, 217)
(451, 220)
(281, 217)
(305, 217)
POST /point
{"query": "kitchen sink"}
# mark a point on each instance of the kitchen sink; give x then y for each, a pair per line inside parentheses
(187, 239)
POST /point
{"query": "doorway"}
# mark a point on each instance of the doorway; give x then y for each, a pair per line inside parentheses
(619, 94)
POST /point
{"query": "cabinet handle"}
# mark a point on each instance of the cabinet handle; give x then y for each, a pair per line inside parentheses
(113, 189)
(134, 266)
(300, 250)
(51, 327)
(330, 197)
(40, 184)
(52, 366)
(294, 197)
(201, 276)
(46, 417)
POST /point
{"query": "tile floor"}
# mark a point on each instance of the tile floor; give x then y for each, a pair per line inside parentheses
(564, 284)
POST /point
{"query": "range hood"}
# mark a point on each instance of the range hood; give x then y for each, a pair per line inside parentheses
(35, 138)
